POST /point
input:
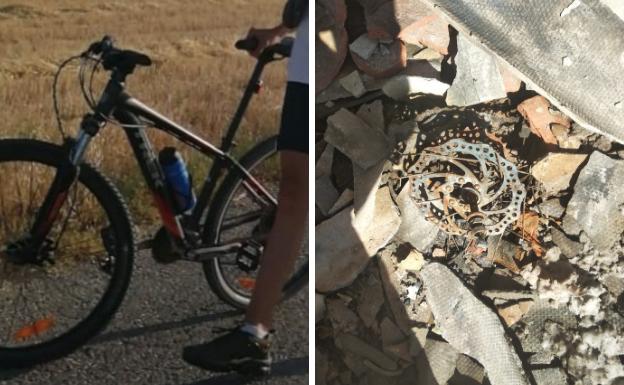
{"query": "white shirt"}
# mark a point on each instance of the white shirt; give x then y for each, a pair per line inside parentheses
(298, 63)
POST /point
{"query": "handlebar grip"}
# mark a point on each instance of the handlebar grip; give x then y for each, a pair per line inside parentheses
(247, 44)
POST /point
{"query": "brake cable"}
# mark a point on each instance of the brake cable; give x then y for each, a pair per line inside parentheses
(57, 110)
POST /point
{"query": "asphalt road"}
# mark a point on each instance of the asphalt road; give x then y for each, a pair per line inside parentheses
(168, 307)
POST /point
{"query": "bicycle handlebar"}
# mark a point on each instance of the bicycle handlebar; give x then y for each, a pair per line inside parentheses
(281, 49)
(100, 47)
(247, 44)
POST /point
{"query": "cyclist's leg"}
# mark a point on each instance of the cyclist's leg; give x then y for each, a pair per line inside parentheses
(241, 350)
(285, 239)
(286, 236)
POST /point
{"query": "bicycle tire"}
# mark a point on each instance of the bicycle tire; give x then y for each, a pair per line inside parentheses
(110, 200)
(212, 269)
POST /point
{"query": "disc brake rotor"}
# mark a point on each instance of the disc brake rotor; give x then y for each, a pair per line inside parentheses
(468, 188)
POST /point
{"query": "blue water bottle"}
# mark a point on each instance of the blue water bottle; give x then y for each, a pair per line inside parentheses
(178, 179)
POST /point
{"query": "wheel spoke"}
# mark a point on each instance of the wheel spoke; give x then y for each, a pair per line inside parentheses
(241, 219)
(51, 291)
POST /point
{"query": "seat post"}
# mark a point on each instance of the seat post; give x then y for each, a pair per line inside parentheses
(252, 86)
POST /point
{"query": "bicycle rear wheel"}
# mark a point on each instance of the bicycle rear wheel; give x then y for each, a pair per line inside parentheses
(54, 303)
(237, 214)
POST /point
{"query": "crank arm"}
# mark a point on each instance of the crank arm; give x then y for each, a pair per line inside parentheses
(207, 253)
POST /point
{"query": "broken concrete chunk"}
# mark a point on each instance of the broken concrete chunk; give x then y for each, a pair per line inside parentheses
(386, 60)
(614, 283)
(510, 81)
(402, 87)
(415, 229)
(478, 79)
(364, 46)
(392, 286)
(436, 364)
(372, 114)
(339, 252)
(568, 247)
(324, 162)
(325, 194)
(343, 247)
(418, 339)
(364, 145)
(570, 138)
(541, 116)
(355, 345)
(341, 317)
(603, 144)
(370, 301)
(555, 170)
(503, 252)
(430, 31)
(470, 326)
(551, 208)
(365, 184)
(598, 200)
(570, 226)
(345, 199)
(394, 342)
(353, 83)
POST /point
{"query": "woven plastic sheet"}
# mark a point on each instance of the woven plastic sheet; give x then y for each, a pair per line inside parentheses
(470, 326)
(570, 51)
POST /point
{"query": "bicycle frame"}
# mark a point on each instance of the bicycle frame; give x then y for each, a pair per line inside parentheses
(134, 117)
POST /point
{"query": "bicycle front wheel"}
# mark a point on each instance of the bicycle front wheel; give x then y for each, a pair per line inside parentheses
(55, 298)
(237, 214)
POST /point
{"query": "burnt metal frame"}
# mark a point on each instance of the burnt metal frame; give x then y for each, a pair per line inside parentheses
(134, 117)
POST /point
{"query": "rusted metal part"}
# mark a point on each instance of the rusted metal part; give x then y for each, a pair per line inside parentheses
(468, 188)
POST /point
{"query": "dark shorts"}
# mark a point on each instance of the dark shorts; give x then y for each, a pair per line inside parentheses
(294, 131)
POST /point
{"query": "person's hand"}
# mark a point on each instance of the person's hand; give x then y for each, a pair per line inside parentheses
(265, 38)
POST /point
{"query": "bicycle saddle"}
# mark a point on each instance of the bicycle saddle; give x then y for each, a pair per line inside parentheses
(125, 60)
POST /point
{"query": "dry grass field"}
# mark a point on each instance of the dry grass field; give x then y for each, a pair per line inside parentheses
(197, 78)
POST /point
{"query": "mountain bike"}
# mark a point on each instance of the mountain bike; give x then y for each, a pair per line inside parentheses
(67, 241)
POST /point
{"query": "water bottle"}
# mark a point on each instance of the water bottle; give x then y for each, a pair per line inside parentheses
(178, 179)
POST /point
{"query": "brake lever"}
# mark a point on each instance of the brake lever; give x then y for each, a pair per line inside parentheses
(99, 47)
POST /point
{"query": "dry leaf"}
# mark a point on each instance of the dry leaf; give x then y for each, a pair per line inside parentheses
(528, 227)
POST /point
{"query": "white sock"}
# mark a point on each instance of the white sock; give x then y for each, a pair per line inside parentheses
(255, 330)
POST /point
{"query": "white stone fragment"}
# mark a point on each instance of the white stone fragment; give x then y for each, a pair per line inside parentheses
(363, 144)
(353, 83)
(402, 87)
(364, 46)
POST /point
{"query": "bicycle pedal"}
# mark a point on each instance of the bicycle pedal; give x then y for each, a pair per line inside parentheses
(248, 257)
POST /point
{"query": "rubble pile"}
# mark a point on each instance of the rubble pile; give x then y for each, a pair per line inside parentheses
(467, 231)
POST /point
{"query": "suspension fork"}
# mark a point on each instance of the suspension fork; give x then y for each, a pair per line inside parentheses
(58, 193)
